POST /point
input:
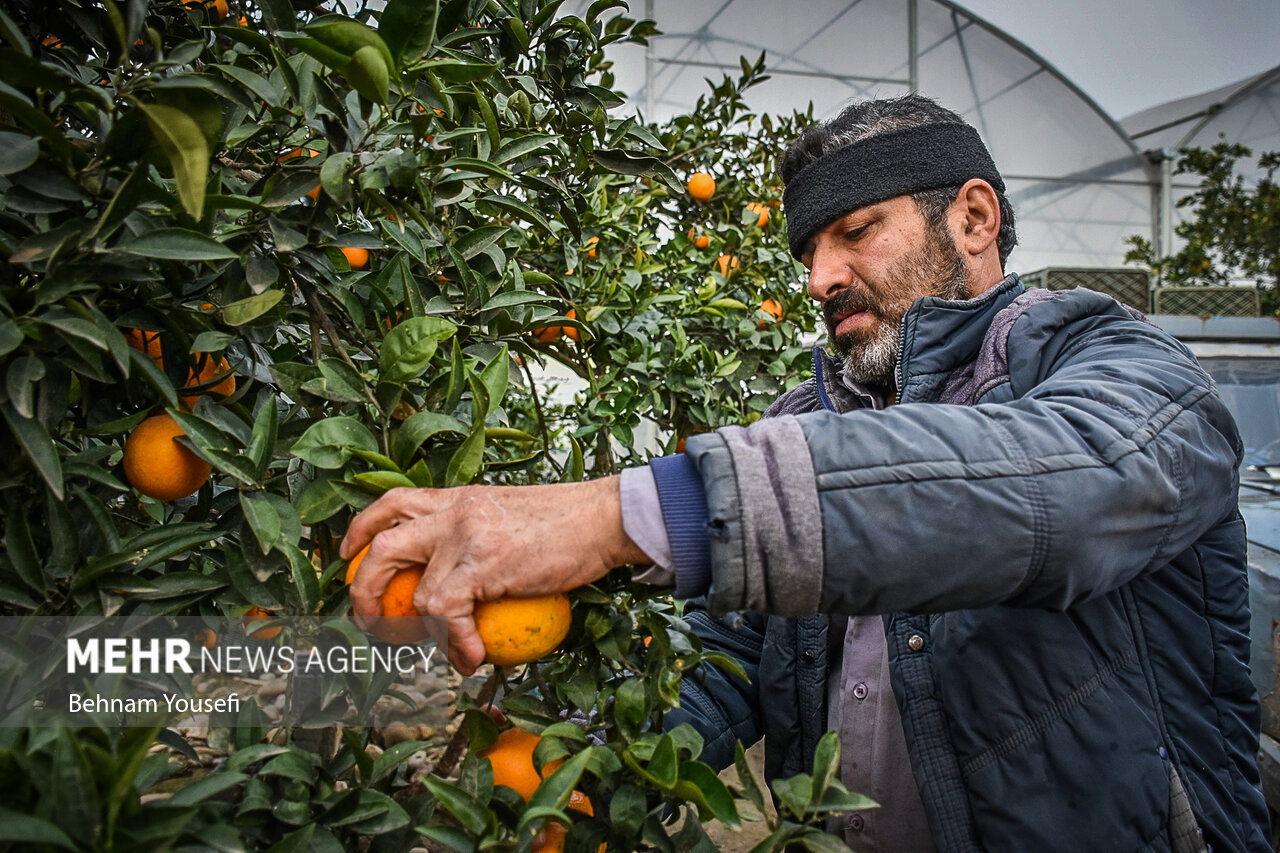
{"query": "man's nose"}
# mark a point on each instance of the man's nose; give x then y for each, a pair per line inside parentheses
(828, 273)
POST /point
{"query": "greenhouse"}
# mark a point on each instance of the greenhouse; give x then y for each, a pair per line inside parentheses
(444, 425)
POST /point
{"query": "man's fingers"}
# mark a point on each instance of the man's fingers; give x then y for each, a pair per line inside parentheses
(390, 551)
(395, 507)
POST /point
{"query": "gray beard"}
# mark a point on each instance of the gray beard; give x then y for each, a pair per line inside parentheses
(875, 362)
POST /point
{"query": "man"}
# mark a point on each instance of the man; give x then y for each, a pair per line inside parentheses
(1016, 509)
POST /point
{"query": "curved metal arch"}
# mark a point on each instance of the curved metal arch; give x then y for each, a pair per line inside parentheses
(956, 9)
(1215, 109)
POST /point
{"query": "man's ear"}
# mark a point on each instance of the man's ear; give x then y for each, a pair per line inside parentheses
(976, 218)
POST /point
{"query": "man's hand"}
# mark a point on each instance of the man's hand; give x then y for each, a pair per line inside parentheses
(480, 543)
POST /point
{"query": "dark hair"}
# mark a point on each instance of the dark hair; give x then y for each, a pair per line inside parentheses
(865, 119)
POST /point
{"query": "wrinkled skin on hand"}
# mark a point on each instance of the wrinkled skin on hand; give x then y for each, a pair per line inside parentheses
(480, 543)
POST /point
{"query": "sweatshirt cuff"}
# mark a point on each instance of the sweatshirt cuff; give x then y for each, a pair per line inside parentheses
(642, 520)
(685, 515)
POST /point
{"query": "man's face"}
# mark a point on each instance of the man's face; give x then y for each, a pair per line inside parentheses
(865, 270)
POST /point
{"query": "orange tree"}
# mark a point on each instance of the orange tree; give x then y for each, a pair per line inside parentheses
(330, 248)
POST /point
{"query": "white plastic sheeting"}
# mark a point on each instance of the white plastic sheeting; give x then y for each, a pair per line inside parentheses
(1078, 182)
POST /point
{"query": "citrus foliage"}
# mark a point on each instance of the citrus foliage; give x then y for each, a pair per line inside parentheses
(1233, 232)
(332, 249)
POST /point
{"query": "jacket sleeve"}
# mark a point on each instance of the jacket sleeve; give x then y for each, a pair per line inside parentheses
(1106, 453)
(718, 704)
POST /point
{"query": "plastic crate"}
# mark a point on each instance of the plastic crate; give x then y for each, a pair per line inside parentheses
(1208, 301)
(1125, 284)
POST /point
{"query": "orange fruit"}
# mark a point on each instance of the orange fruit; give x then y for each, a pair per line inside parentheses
(400, 623)
(51, 41)
(726, 264)
(701, 186)
(243, 21)
(145, 341)
(357, 258)
(207, 638)
(763, 212)
(314, 195)
(159, 467)
(773, 308)
(555, 832)
(522, 630)
(257, 614)
(591, 252)
(680, 444)
(548, 334)
(700, 241)
(218, 9)
(512, 758)
(209, 371)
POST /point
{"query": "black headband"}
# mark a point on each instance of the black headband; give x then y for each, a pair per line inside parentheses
(881, 167)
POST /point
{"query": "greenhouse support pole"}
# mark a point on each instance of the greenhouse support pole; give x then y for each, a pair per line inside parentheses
(648, 66)
(913, 61)
(1167, 157)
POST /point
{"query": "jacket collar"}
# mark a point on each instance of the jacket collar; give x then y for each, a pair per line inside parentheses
(938, 335)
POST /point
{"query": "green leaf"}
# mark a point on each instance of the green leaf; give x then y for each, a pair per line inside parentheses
(719, 801)
(457, 71)
(333, 176)
(826, 763)
(630, 707)
(468, 811)
(368, 74)
(17, 152)
(262, 519)
(495, 377)
(407, 349)
(318, 502)
(39, 447)
(408, 27)
(467, 459)
(521, 146)
(184, 144)
(477, 240)
(177, 244)
(794, 794)
(338, 382)
(746, 778)
(329, 443)
(348, 37)
(21, 828)
(418, 428)
(263, 439)
(251, 308)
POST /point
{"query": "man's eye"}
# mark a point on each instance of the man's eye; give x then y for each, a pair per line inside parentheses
(855, 233)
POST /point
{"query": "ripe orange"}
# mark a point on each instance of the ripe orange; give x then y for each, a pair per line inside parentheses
(591, 241)
(218, 9)
(763, 212)
(548, 334)
(773, 308)
(257, 614)
(52, 42)
(726, 264)
(512, 758)
(357, 258)
(314, 195)
(145, 341)
(702, 186)
(207, 638)
(209, 371)
(244, 22)
(556, 832)
(700, 241)
(400, 623)
(522, 630)
(159, 467)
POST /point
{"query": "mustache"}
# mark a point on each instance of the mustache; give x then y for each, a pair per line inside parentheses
(850, 302)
